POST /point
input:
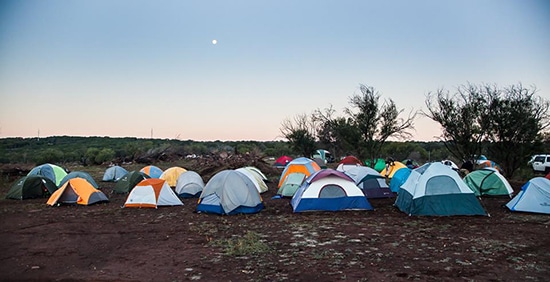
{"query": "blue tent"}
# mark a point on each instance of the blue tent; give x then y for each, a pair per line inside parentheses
(52, 172)
(399, 177)
(114, 173)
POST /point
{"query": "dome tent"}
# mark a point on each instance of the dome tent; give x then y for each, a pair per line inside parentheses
(436, 189)
(54, 172)
(114, 173)
(230, 192)
(488, 181)
(29, 187)
(152, 193)
(329, 190)
(189, 185)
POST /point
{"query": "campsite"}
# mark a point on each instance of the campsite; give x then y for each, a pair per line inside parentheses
(106, 242)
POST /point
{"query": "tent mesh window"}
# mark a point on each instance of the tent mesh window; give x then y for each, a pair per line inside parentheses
(332, 191)
(371, 183)
(441, 184)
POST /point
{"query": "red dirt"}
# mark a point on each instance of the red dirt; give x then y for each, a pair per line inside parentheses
(105, 242)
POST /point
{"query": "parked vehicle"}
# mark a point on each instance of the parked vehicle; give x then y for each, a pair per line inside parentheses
(541, 163)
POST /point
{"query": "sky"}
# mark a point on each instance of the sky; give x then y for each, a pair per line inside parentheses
(132, 68)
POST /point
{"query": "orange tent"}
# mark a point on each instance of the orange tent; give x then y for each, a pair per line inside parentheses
(77, 191)
(301, 165)
(151, 193)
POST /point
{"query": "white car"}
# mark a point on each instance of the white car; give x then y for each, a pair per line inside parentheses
(541, 163)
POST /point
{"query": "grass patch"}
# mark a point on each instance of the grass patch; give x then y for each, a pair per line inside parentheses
(248, 245)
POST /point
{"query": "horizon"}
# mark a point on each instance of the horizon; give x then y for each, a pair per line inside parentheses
(218, 70)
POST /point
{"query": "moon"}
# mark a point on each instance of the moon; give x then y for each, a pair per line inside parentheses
(214, 41)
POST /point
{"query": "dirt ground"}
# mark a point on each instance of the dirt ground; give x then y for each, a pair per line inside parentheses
(105, 242)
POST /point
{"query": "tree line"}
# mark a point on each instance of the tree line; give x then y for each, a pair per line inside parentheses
(104, 150)
(507, 123)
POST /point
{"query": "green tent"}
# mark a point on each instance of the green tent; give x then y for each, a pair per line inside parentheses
(129, 181)
(379, 165)
(488, 182)
(291, 184)
(34, 186)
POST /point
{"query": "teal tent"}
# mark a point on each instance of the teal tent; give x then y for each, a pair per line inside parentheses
(489, 182)
(81, 174)
(437, 189)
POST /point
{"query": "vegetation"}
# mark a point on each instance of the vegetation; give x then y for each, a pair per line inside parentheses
(508, 123)
(362, 131)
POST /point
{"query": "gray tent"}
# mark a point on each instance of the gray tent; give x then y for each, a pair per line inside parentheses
(230, 192)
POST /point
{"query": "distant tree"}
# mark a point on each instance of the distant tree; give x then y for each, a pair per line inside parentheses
(49, 155)
(89, 156)
(104, 155)
(514, 125)
(338, 134)
(377, 121)
(300, 133)
(459, 114)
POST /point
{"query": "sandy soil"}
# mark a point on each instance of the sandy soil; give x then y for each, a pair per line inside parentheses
(105, 242)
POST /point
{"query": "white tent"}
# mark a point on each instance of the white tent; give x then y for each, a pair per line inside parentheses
(152, 193)
(255, 177)
(329, 190)
(533, 197)
(189, 185)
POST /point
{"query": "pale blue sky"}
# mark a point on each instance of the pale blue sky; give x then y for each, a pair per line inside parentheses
(122, 68)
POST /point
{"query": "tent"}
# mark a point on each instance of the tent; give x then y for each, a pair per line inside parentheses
(257, 171)
(230, 192)
(302, 165)
(282, 161)
(172, 174)
(399, 177)
(391, 168)
(77, 191)
(152, 193)
(348, 162)
(81, 174)
(370, 181)
(291, 184)
(53, 172)
(533, 197)
(189, 185)
(29, 187)
(436, 189)
(152, 171)
(378, 165)
(255, 177)
(329, 190)
(114, 173)
(489, 182)
(129, 181)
